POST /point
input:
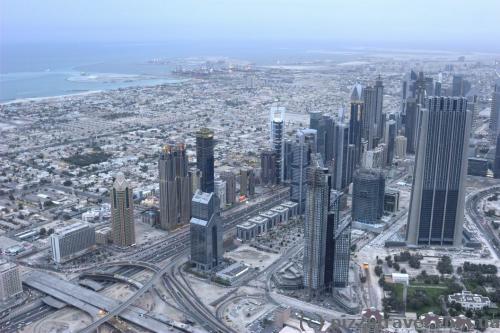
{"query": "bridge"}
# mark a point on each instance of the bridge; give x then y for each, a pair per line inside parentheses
(94, 303)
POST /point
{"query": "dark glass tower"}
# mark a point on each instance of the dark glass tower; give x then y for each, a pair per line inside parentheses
(205, 158)
(438, 194)
(368, 195)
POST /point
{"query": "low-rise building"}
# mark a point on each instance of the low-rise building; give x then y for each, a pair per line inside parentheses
(292, 208)
(246, 231)
(103, 235)
(272, 218)
(469, 300)
(282, 212)
(260, 224)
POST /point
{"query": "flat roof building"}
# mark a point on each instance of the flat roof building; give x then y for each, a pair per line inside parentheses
(10, 281)
(71, 240)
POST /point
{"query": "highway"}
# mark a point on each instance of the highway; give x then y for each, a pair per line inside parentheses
(477, 217)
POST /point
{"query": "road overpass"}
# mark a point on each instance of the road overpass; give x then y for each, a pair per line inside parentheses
(92, 302)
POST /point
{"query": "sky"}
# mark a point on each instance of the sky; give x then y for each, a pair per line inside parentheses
(467, 23)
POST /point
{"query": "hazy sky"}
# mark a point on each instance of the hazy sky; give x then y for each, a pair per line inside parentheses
(457, 22)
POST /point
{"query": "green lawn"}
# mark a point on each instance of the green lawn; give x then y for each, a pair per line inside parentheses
(424, 298)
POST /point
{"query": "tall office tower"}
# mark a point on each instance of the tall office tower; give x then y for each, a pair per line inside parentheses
(411, 125)
(420, 89)
(429, 86)
(277, 122)
(206, 231)
(323, 124)
(437, 88)
(288, 160)
(373, 102)
(220, 192)
(368, 195)
(175, 186)
(316, 122)
(496, 161)
(195, 176)
(356, 122)
(338, 244)
(247, 182)
(10, 281)
(437, 200)
(343, 157)
(460, 87)
(495, 110)
(72, 240)
(400, 143)
(390, 140)
(302, 149)
(230, 179)
(315, 227)
(205, 158)
(122, 212)
(268, 167)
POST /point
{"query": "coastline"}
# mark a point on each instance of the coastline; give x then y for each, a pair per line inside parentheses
(55, 97)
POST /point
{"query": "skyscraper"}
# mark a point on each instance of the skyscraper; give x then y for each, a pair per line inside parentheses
(373, 103)
(195, 176)
(206, 231)
(338, 245)
(230, 179)
(205, 158)
(277, 122)
(268, 167)
(460, 86)
(400, 146)
(323, 124)
(495, 111)
(356, 120)
(368, 195)
(302, 149)
(437, 201)
(315, 227)
(411, 124)
(390, 137)
(247, 182)
(343, 157)
(175, 186)
(122, 212)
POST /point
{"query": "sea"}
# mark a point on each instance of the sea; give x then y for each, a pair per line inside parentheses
(52, 69)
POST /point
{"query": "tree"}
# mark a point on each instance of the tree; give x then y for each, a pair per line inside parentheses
(67, 182)
(51, 231)
(444, 265)
(378, 270)
(43, 231)
(396, 266)
(414, 262)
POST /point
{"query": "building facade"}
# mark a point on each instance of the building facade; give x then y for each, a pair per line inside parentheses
(277, 130)
(438, 193)
(302, 149)
(368, 195)
(71, 240)
(175, 186)
(205, 158)
(206, 231)
(10, 281)
(315, 227)
(122, 212)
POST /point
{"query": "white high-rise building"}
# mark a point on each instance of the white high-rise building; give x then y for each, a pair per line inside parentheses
(10, 281)
(400, 143)
(71, 240)
(220, 192)
(277, 130)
